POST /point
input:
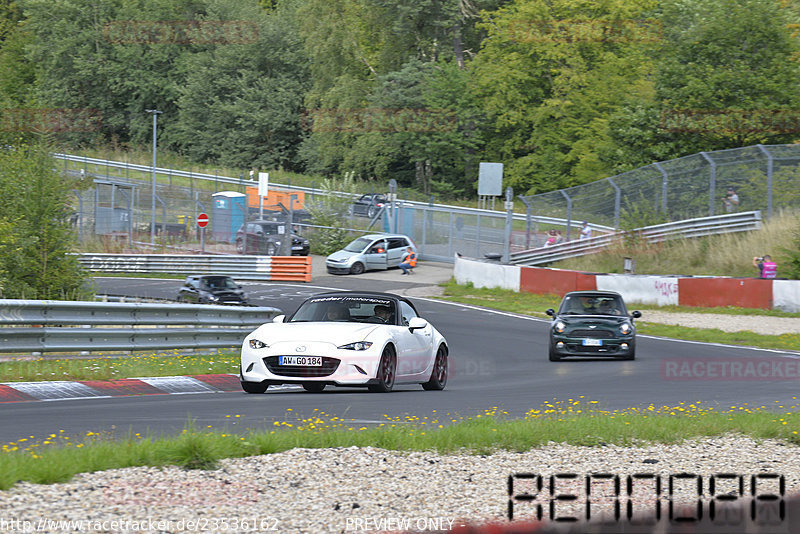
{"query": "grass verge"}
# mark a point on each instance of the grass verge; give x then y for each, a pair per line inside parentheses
(108, 368)
(579, 422)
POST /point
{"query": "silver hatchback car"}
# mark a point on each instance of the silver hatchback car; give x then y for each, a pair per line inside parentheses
(370, 252)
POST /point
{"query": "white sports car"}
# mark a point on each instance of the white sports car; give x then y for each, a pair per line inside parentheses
(348, 339)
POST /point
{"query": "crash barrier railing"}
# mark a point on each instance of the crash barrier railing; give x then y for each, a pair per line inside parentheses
(703, 226)
(38, 326)
(239, 267)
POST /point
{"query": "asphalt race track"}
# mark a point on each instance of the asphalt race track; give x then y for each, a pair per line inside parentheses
(497, 360)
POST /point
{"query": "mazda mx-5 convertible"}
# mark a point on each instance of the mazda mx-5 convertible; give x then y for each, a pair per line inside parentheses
(353, 339)
(593, 323)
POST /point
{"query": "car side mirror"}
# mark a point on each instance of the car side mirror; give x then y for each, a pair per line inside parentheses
(551, 312)
(279, 319)
(636, 314)
(417, 323)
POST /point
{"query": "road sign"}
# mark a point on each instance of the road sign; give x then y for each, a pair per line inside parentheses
(202, 220)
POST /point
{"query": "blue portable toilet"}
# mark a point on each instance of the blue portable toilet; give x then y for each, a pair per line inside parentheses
(227, 214)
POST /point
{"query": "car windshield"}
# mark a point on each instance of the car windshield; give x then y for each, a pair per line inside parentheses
(592, 305)
(219, 282)
(345, 309)
(358, 245)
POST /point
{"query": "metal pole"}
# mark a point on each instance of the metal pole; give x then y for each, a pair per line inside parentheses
(569, 213)
(712, 183)
(663, 187)
(155, 113)
(509, 222)
(763, 149)
(617, 198)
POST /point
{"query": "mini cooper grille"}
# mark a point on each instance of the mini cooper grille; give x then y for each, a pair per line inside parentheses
(596, 334)
(329, 365)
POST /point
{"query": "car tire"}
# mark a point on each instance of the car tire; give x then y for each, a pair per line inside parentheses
(271, 249)
(630, 356)
(386, 372)
(357, 268)
(439, 374)
(240, 246)
(371, 212)
(313, 387)
(254, 387)
(553, 356)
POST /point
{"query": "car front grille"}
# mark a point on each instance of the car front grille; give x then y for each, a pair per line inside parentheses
(328, 367)
(594, 334)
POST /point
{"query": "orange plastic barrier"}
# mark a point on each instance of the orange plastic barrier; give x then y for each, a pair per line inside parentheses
(711, 292)
(544, 281)
(290, 268)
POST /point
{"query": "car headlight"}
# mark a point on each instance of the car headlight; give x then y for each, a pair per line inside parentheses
(213, 298)
(625, 328)
(358, 345)
(257, 344)
(560, 327)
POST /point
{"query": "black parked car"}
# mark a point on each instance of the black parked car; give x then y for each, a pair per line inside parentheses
(368, 205)
(265, 237)
(211, 289)
(592, 323)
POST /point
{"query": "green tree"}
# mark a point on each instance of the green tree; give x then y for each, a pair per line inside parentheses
(35, 229)
(550, 75)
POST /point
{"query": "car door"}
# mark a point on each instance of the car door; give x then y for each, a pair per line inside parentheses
(375, 255)
(190, 291)
(396, 251)
(414, 348)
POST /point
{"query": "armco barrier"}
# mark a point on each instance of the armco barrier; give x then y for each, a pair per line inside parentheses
(284, 268)
(645, 289)
(64, 326)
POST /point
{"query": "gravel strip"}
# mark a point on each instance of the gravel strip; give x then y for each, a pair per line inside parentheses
(760, 324)
(354, 489)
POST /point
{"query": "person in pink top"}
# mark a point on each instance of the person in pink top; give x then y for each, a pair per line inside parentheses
(766, 267)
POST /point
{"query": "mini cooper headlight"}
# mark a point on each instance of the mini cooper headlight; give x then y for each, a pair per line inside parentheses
(257, 344)
(358, 345)
(560, 327)
(625, 328)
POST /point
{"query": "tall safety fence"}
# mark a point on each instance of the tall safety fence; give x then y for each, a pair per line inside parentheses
(765, 178)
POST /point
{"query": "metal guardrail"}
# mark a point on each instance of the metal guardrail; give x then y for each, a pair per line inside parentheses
(239, 267)
(703, 226)
(61, 326)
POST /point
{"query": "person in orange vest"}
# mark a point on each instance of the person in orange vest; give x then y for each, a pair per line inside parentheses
(766, 267)
(409, 261)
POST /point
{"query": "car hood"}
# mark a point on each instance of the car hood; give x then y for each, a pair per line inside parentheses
(604, 320)
(342, 255)
(334, 333)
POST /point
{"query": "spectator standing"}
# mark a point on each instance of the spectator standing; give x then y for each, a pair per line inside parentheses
(766, 267)
(409, 261)
(731, 200)
(586, 231)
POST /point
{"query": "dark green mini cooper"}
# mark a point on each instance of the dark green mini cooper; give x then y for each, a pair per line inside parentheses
(594, 324)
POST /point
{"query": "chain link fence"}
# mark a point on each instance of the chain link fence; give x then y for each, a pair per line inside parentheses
(765, 178)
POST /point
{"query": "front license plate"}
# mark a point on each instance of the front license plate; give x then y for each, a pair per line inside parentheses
(592, 342)
(298, 247)
(306, 361)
